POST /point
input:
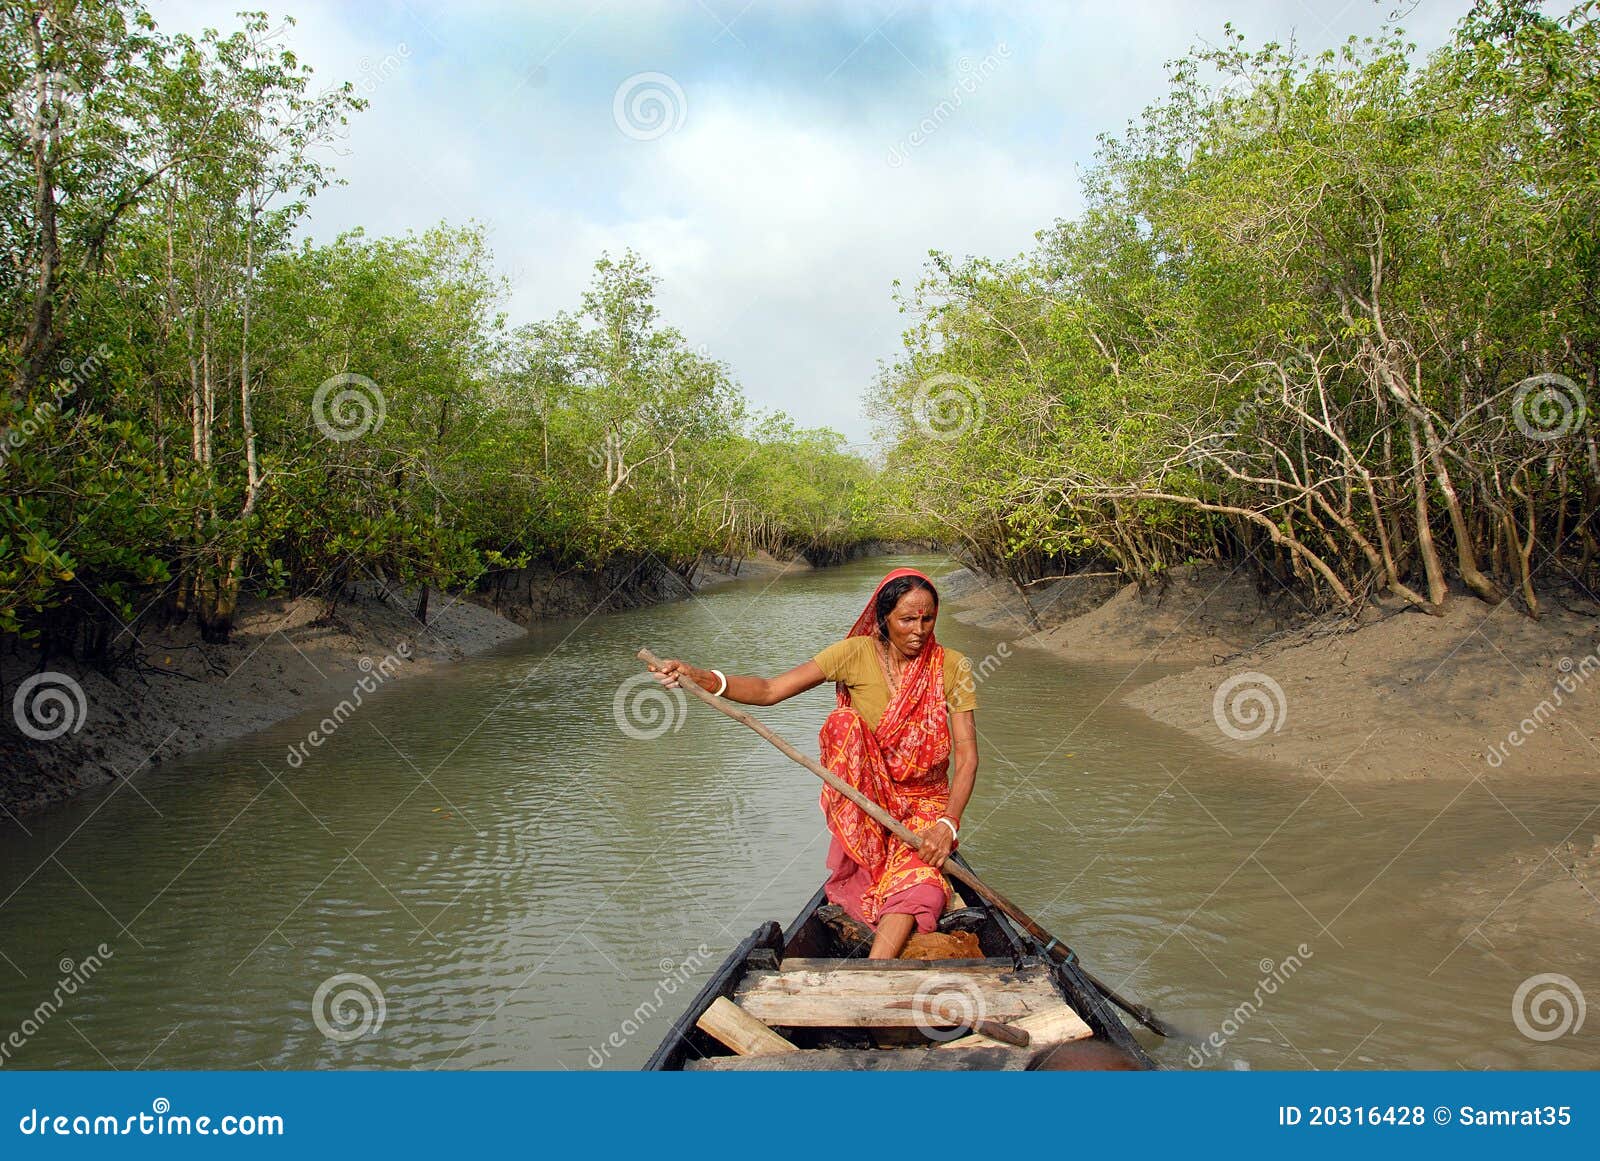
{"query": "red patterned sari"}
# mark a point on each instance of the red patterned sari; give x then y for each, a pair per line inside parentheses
(903, 765)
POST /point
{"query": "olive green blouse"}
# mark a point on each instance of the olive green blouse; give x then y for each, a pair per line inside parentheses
(855, 662)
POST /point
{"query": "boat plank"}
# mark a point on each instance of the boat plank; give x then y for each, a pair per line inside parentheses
(1054, 1025)
(873, 1060)
(796, 963)
(741, 1031)
(873, 998)
(907, 978)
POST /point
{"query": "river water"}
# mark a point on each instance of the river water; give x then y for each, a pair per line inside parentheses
(480, 868)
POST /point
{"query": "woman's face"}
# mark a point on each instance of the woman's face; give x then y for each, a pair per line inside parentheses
(911, 621)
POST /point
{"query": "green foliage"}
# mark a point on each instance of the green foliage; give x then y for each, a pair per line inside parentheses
(199, 408)
(1290, 273)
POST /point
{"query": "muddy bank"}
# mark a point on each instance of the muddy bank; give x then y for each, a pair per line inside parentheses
(1192, 615)
(1392, 695)
(175, 694)
(77, 727)
(1520, 899)
(543, 592)
(1401, 696)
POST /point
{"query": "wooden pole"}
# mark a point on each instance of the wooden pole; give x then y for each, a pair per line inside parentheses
(1054, 948)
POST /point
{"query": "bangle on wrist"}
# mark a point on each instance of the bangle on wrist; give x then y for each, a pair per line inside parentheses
(723, 677)
(954, 832)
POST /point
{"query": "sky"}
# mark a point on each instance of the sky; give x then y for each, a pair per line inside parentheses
(779, 165)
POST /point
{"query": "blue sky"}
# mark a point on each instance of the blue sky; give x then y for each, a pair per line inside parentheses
(775, 186)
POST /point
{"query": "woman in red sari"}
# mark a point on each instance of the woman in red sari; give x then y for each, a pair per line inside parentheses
(903, 733)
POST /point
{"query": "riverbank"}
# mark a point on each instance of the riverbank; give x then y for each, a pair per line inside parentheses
(1395, 695)
(176, 694)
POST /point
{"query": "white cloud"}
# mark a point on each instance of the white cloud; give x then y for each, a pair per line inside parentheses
(772, 215)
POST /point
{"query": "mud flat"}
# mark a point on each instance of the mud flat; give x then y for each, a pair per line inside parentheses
(1391, 695)
(174, 694)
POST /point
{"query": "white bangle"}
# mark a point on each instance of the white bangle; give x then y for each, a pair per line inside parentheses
(954, 833)
(724, 684)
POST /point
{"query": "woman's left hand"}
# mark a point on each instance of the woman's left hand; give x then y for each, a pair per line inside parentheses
(936, 844)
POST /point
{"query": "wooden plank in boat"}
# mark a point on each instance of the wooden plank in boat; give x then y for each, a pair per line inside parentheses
(861, 998)
(872, 1060)
(900, 975)
(1053, 1025)
(801, 964)
(740, 1031)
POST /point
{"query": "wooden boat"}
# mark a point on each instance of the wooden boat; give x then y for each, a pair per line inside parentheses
(805, 998)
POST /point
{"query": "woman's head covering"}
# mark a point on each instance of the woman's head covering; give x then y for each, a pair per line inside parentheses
(867, 623)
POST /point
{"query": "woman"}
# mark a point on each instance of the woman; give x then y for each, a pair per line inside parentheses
(905, 711)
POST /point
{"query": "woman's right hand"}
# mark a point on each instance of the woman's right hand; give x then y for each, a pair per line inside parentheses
(672, 673)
